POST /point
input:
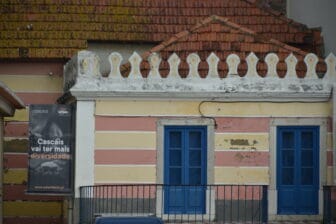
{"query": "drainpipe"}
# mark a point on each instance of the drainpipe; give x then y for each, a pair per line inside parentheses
(334, 131)
(70, 210)
(1, 167)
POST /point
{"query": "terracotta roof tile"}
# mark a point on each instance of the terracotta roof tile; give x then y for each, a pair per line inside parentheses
(135, 21)
(224, 38)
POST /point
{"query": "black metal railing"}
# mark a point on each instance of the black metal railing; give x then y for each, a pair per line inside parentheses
(329, 204)
(222, 203)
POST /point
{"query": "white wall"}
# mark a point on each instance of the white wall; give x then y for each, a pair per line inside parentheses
(316, 13)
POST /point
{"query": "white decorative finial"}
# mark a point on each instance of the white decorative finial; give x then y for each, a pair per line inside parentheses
(154, 61)
(89, 64)
(291, 62)
(311, 62)
(115, 60)
(233, 61)
(252, 61)
(135, 61)
(213, 66)
(193, 61)
(272, 60)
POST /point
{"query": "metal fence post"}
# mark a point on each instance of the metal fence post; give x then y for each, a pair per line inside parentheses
(326, 204)
(264, 217)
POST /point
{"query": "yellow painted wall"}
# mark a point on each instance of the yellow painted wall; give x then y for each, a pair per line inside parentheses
(241, 175)
(33, 83)
(20, 115)
(125, 140)
(193, 108)
(242, 141)
(32, 208)
(125, 174)
(15, 176)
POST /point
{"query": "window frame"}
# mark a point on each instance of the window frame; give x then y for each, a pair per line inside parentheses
(210, 138)
(293, 121)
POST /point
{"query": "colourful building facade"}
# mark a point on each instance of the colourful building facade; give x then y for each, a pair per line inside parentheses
(247, 130)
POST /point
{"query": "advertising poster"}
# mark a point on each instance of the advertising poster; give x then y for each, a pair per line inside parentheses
(51, 149)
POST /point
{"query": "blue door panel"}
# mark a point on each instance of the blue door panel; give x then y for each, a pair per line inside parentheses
(287, 200)
(308, 201)
(185, 167)
(176, 195)
(298, 169)
(195, 195)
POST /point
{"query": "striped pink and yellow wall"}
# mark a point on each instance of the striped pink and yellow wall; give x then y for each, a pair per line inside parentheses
(126, 137)
(34, 83)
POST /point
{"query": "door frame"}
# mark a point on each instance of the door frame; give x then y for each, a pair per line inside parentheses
(272, 191)
(185, 130)
(210, 135)
(297, 159)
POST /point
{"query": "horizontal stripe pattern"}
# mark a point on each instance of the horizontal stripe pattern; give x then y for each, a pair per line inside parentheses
(32, 208)
(230, 124)
(125, 140)
(125, 174)
(330, 158)
(241, 175)
(105, 123)
(18, 192)
(20, 115)
(15, 160)
(33, 220)
(234, 192)
(15, 176)
(16, 129)
(147, 108)
(242, 141)
(33, 83)
(125, 157)
(140, 191)
(231, 158)
(266, 109)
(39, 98)
(31, 68)
(16, 145)
(216, 109)
(242, 124)
(330, 177)
(329, 141)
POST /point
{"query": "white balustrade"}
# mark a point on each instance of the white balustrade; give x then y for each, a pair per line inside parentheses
(82, 74)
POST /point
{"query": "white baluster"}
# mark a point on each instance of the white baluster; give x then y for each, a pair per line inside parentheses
(115, 60)
(252, 61)
(272, 60)
(311, 62)
(291, 62)
(213, 66)
(135, 61)
(331, 64)
(193, 61)
(233, 62)
(174, 62)
(154, 61)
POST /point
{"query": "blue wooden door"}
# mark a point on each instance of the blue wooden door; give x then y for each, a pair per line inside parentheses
(184, 169)
(298, 169)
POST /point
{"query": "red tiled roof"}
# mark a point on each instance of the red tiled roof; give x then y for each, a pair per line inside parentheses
(59, 28)
(223, 37)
